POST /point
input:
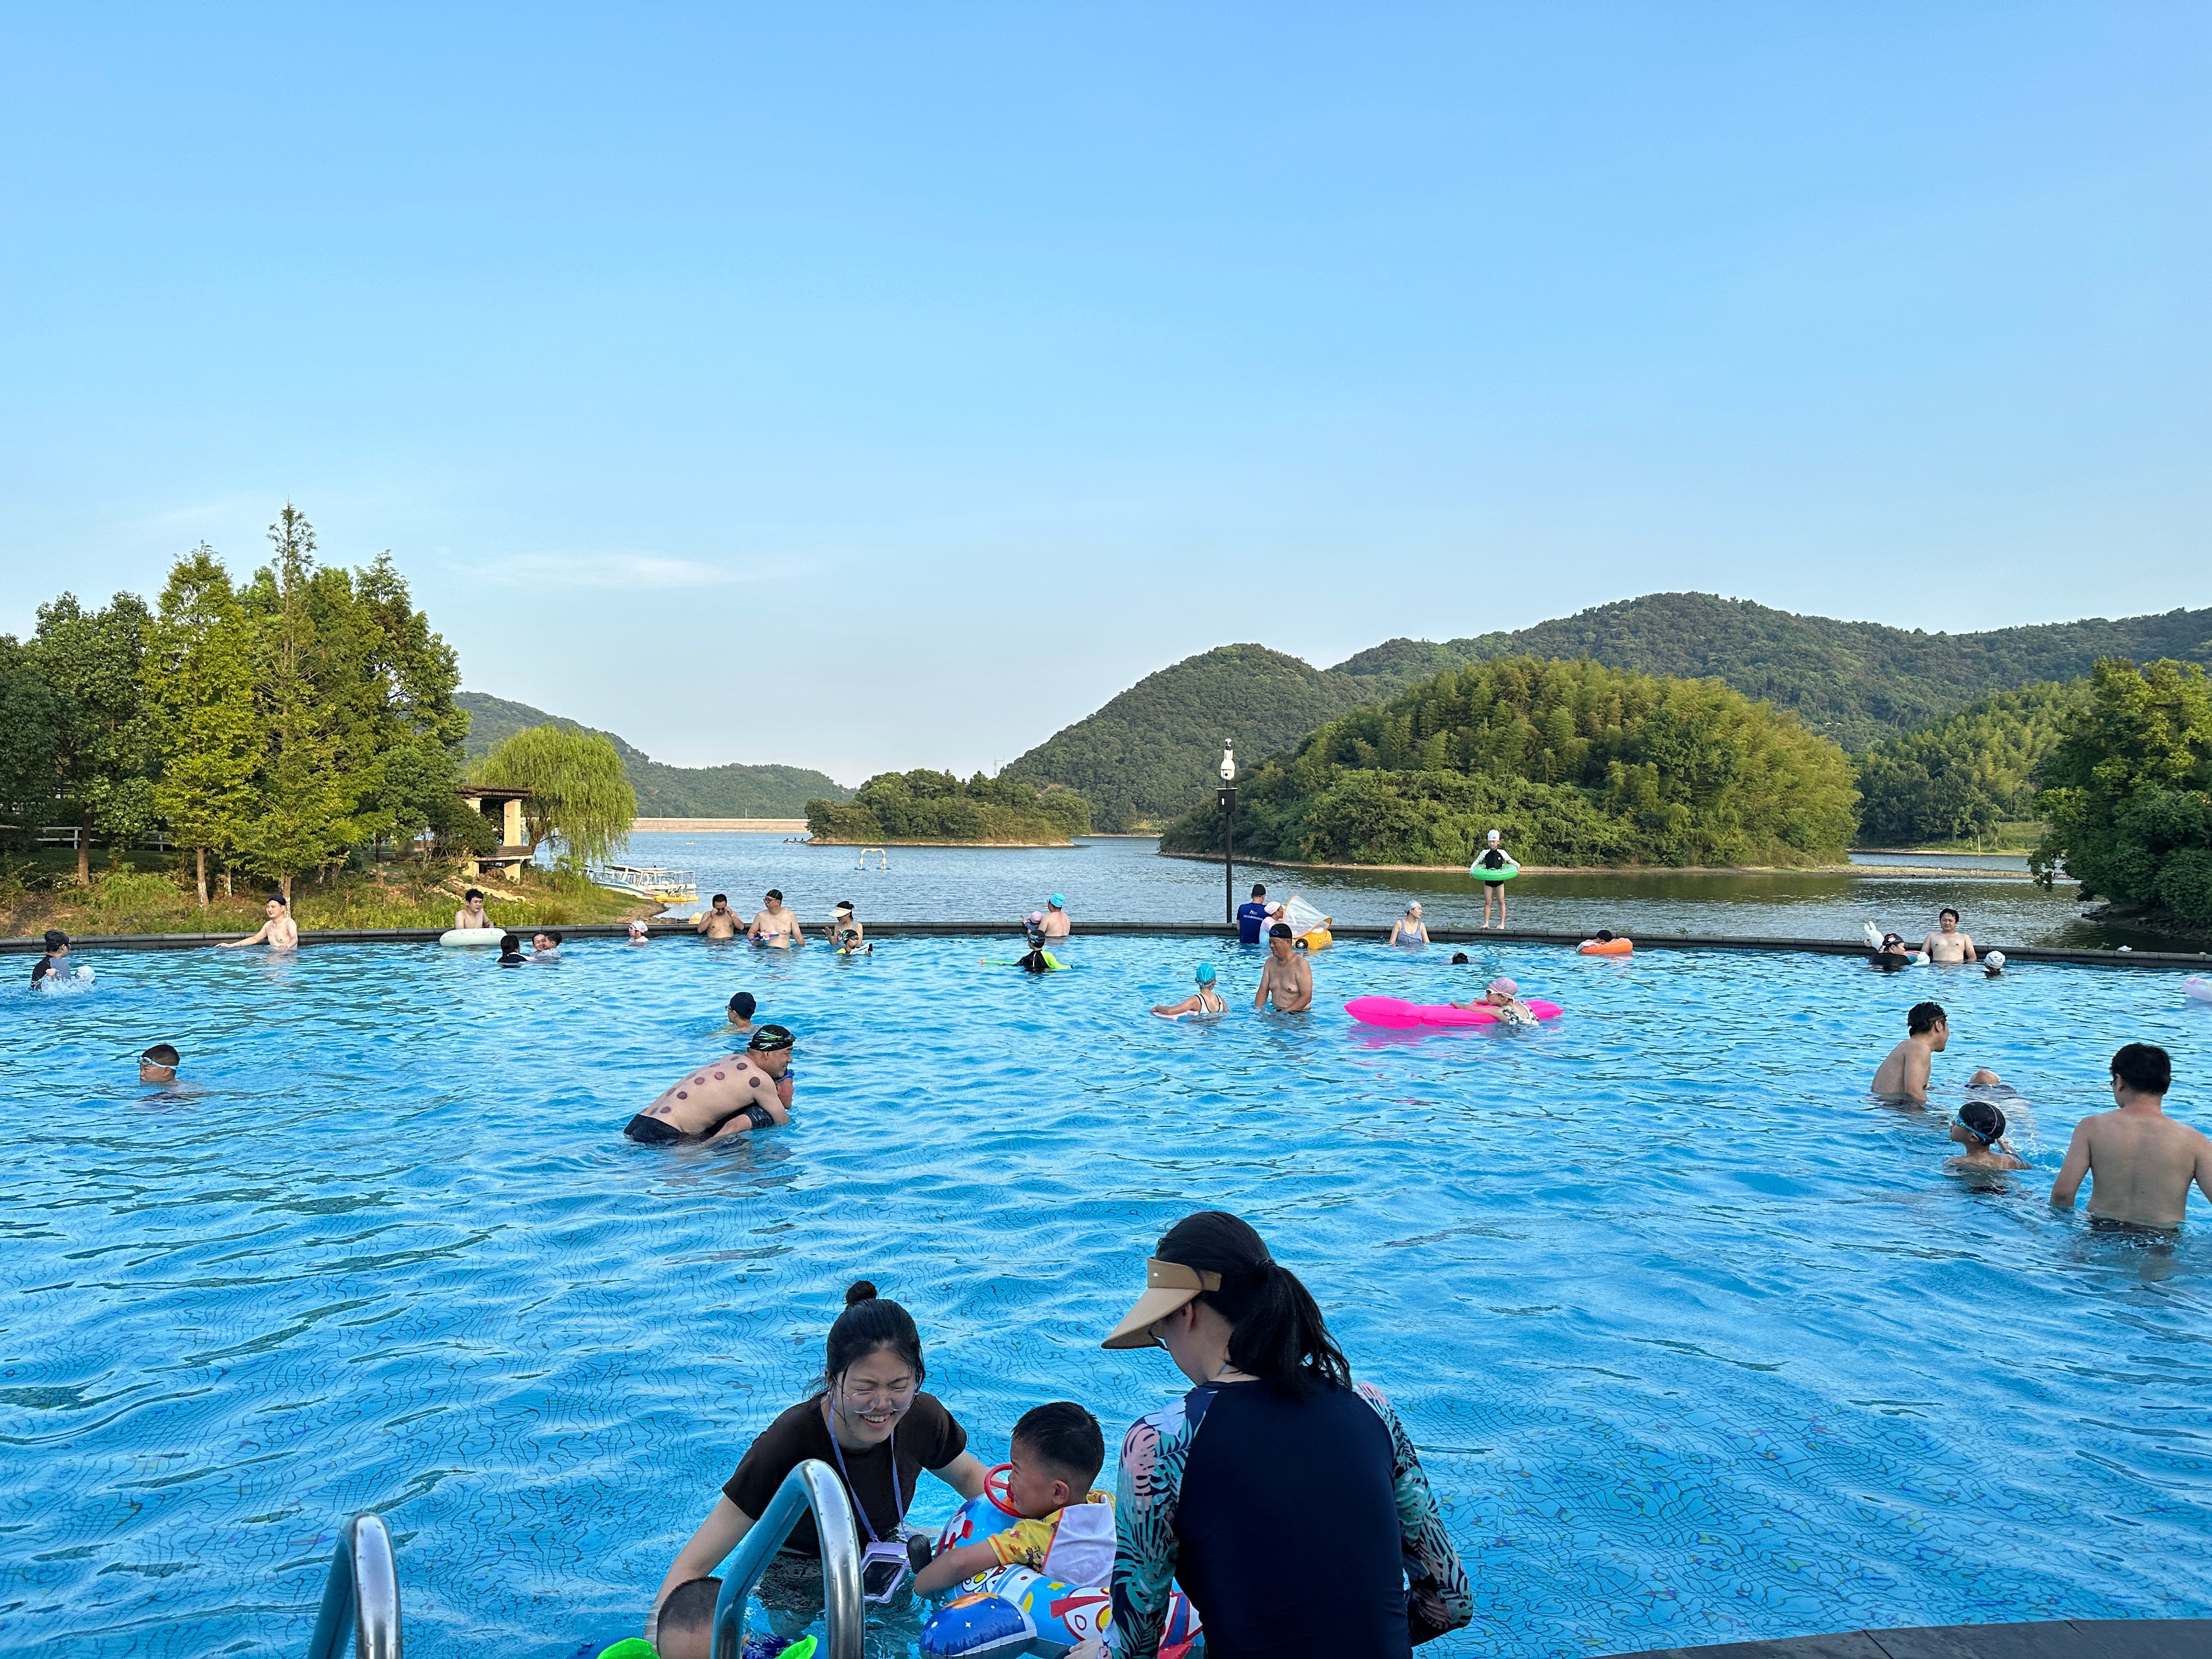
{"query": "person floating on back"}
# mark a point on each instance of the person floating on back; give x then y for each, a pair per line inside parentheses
(1066, 1529)
(159, 1064)
(1902, 1076)
(733, 1096)
(1206, 1003)
(1980, 1128)
(278, 931)
(2140, 1161)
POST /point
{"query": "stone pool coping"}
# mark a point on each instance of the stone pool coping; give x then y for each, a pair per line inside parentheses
(679, 928)
(2058, 1638)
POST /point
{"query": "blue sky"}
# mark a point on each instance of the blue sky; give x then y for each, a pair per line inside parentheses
(889, 387)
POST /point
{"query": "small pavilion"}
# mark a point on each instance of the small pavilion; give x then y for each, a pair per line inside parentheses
(504, 808)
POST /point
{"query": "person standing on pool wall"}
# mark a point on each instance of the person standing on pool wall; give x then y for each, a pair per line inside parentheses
(1493, 857)
(1287, 1501)
(869, 1420)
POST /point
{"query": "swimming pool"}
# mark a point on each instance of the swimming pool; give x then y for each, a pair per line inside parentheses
(1698, 1343)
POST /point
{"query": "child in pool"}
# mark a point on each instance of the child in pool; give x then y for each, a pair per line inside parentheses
(1980, 1129)
(845, 933)
(49, 966)
(1067, 1529)
(1206, 1003)
(159, 1064)
(1503, 995)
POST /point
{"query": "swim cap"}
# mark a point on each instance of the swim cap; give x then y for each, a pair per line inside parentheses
(742, 1005)
(1057, 901)
(1506, 986)
(1492, 836)
(1280, 930)
(1996, 958)
(1982, 1120)
(637, 924)
(1205, 973)
(770, 1039)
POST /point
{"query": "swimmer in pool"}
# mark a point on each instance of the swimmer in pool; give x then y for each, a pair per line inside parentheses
(1993, 965)
(1980, 1128)
(49, 966)
(741, 1014)
(774, 925)
(638, 933)
(545, 946)
(2142, 1161)
(717, 921)
(1286, 982)
(1891, 955)
(159, 1064)
(1504, 995)
(845, 933)
(733, 1096)
(1207, 1002)
(1458, 959)
(1410, 929)
(1947, 943)
(471, 917)
(1055, 920)
(279, 932)
(510, 950)
(1902, 1077)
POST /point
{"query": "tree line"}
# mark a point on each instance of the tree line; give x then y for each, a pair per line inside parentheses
(267, 725)
(927, 806)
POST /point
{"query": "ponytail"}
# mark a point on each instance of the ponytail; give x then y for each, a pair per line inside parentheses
(1277, 1333)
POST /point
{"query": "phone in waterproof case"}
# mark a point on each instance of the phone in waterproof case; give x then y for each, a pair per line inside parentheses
(883, 1568)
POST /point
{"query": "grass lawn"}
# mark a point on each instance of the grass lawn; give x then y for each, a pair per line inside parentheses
(152, 893)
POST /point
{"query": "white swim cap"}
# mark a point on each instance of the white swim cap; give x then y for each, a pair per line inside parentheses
(1996, 958)
(1505, 985)
(1492, 836)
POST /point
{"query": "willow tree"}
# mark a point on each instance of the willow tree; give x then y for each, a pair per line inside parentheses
(579, 793)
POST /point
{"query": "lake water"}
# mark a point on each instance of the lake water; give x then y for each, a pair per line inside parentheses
(1698, 1343)
(1124, 879)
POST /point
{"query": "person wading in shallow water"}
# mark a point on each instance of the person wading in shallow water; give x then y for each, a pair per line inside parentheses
(1288, 1502)
(2143, 1163)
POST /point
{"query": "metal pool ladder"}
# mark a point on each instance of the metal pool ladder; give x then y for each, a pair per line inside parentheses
(812, 1486)
(361, 1598)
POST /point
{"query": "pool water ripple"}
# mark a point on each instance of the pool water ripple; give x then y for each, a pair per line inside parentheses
(1699, 1343)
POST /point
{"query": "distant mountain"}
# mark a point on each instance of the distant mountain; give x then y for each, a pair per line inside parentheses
(666, 792)
(1155, 751)
(1858, 682)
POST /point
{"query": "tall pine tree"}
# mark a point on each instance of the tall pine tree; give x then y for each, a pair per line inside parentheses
(302, 817)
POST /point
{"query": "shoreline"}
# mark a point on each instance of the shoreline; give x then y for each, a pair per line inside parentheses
(985, 845)
(1955, 872)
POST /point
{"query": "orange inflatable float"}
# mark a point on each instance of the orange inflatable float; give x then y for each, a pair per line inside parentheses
(1605, 945)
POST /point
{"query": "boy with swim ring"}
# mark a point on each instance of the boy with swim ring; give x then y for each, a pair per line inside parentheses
(1493, 858)
(1206, 1004)
(1066, 1529)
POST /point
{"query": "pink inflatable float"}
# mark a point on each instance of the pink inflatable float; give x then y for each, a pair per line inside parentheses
(1394, 1013)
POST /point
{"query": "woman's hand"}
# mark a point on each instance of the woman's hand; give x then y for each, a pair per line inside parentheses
(964, 1474)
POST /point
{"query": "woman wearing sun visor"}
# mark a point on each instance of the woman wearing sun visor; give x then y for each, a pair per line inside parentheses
(1228, 1490)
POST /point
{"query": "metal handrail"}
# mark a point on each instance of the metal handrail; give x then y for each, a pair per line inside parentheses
(812, 1486)
(361, 1598)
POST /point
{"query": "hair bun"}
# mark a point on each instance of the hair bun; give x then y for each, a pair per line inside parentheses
(862, 1291)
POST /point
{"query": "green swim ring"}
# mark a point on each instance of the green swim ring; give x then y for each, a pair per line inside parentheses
(1482, 871)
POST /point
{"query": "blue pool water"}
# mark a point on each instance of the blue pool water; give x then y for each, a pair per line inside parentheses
(1698, 1343)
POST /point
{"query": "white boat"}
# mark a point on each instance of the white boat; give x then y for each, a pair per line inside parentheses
(651, 881)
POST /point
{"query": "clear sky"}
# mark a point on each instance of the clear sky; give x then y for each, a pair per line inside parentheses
(872, 386)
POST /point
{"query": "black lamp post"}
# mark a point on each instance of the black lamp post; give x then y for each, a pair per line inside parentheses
(1227, 796)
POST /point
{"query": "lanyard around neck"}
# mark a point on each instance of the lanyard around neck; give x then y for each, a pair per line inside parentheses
(839, 1453)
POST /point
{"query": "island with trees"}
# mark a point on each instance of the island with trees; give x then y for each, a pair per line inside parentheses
(936, 809)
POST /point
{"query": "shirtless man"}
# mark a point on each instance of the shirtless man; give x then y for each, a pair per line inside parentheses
(1903, 1077)
(1287, 980)
(718, 921)
(733, 1096)
(472, 914)
(774, 925)
(279, 933)
(1056, 923)
(1947, 943)
(2140, 1159)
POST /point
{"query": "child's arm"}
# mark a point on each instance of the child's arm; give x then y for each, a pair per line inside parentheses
(1187, 1006)
(956, 1567)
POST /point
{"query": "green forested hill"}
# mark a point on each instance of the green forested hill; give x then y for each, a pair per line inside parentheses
(1576, 764)
(666, 792)
(1958, 779)
(1156, 749)
(1858, 682)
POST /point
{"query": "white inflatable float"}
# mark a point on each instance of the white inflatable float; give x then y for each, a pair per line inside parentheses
(472, 936)
(2197, 985)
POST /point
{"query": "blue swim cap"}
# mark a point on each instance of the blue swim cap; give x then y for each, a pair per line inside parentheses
(1058, 901)
(1205, 973)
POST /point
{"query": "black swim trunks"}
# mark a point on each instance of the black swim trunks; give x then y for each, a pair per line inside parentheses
(652, 1131)
(755, 1114)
